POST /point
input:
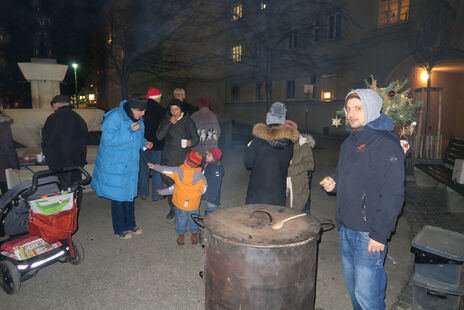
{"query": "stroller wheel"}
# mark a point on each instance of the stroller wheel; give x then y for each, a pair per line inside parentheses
(78, 252)
(11, 281)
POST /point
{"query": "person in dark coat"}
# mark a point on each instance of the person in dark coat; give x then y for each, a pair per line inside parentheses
(268, 157)
(179, 94)
(154, 114)
(8, 155)
(64, 140)
(179, 134)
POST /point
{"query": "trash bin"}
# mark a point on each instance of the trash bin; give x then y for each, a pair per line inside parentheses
(439, 255)
(429, 297)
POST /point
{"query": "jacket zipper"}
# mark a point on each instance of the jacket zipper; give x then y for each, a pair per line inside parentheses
(363, 207)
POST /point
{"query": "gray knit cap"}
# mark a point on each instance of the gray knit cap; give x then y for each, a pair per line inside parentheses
(276, 114)
(371, 103)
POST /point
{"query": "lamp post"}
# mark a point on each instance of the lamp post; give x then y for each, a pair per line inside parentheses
(74, 65)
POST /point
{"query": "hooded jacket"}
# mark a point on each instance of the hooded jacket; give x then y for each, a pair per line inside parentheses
(189, 185)
(370, 175)
(268, 156)
(117, 165)
(302, 162)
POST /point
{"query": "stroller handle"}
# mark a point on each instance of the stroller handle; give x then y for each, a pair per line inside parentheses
(44, 173)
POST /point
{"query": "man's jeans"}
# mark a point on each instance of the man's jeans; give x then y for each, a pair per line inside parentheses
(364, 274)
(182, 218)
(123, 216)
(209, 207)
(154, 157)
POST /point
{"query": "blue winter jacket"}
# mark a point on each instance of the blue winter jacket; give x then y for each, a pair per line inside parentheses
(213, 173)
(117, 166)
(370, 180)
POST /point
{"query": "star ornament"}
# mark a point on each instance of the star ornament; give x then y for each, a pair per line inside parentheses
(403, 132)
(336, 121)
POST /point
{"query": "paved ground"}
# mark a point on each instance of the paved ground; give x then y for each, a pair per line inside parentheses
(151, 272)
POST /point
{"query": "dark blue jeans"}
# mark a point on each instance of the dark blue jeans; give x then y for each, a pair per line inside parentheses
(364, 274)
(154, 157)
(123, 216)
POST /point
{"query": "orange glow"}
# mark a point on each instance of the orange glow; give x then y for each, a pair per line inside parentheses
(326, 95)
(424, 76)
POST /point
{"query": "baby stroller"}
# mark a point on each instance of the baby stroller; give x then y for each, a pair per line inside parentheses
(38, 220)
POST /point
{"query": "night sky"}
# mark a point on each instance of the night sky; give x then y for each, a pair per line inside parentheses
(74, 26)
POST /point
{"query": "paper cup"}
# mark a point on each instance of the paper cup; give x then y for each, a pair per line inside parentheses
(183, 143)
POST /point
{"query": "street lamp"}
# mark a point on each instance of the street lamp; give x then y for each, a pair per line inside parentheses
(74, 65)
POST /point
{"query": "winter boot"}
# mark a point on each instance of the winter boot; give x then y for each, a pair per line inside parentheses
(171, 213)
(180, 239)
(194, 238)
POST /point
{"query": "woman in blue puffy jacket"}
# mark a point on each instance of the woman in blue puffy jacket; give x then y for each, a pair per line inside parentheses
(116, 170)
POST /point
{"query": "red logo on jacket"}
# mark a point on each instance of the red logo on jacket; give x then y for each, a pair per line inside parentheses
(360, 148)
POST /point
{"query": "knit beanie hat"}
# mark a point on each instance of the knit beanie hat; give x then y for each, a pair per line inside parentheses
(371, 103)
(59, 99)
(136, 104)
(217, 154)
(176, 102)
(276, 114)
(203, 102)
(153, 93)
(193, 159)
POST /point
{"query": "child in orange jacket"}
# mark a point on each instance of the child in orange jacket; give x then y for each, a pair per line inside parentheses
(190, 185)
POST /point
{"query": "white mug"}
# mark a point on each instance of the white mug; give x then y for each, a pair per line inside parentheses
(40, 158)
(183, 143)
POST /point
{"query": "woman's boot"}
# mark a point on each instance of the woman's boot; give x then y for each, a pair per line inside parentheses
(180, 239)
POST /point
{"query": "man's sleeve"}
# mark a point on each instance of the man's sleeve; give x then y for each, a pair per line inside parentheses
(391, 195)
(250, 155)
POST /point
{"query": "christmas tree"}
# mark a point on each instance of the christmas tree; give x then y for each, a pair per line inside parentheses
(396, 104)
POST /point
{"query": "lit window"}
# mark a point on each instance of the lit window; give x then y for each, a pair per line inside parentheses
(237, 12)
(237, 53)
(235, 93)
(263, 5)
(290, 89)
(393, 12)
(292, 39)
(334, 26)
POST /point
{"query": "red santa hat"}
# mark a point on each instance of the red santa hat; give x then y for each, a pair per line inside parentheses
(153, 93)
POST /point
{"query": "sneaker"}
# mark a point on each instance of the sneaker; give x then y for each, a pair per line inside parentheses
(136, 230)
(125, 235)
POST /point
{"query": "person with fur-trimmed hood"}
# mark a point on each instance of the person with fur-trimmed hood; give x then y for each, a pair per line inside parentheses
(268, 157)
(302, 162)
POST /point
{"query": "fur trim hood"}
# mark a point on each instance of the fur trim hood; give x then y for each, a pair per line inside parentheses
(267, 133)
(307, 138)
